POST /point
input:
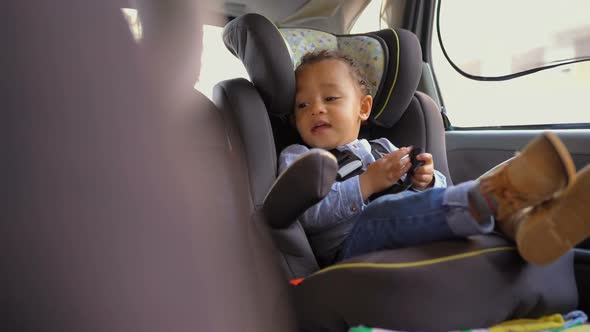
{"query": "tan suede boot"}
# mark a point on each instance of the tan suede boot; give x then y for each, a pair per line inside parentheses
(537, 173)
(549, 230)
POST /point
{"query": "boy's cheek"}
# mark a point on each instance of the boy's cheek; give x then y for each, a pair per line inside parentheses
(292, 120)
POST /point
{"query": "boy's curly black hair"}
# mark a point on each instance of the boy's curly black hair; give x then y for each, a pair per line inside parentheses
(355, 70)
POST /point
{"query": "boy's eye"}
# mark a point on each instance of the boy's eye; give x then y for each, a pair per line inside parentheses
(301, 105)
(332, 98)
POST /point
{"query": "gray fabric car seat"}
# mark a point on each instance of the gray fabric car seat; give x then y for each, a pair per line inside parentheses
(458, 284)
(400, 113)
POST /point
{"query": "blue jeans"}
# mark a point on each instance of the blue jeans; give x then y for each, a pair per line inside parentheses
(413, 218)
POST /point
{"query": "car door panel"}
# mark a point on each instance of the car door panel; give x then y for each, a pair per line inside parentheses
(472, 153)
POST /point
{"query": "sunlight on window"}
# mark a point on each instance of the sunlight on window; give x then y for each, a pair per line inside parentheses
(134, 22)
(369, 20)
(548, 31)
(217, 63)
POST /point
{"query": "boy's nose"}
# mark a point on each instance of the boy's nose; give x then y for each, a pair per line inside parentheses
(318, 108)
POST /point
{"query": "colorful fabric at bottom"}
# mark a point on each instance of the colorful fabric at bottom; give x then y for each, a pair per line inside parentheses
(571, 322)
(528, 325)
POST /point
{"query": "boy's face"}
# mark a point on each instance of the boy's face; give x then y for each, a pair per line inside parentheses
(329, 105)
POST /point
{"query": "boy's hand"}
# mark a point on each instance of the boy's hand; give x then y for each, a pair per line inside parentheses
(384, 172)
(424, 176)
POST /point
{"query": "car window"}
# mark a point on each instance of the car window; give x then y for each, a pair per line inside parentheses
(495, 38)
(369, 19)
(217, 63)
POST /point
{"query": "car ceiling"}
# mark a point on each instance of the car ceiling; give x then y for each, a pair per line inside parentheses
(336, 16)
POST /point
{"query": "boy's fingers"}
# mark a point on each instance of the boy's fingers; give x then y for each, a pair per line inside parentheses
(423, 172)
(400, 152)
(396, 155)
(424, 156)
(419, 182)
(406, 165)
(404, 169)
(399, 168)
(422, 177)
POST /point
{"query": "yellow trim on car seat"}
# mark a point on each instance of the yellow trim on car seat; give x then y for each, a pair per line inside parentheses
(394, 78)
(412, 264)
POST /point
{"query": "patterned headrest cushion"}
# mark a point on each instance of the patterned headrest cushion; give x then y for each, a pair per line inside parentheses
(365, 50)
(390, 58)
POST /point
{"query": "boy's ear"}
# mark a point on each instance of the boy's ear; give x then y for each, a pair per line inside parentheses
(366, 105)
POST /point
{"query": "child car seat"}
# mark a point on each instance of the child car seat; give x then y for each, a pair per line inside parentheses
(453, 284)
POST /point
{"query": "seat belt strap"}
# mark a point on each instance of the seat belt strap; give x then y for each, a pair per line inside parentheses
(350, 165)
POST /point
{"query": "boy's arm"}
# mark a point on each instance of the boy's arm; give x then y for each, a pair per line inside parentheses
(439, 181)
(426, 176)
(384, 172)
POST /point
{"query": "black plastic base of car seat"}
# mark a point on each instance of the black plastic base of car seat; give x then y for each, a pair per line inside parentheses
(443, 286)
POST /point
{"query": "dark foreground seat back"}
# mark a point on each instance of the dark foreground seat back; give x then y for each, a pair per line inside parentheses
(125, 207)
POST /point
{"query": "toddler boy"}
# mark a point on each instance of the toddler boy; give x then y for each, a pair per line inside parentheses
(534, 199)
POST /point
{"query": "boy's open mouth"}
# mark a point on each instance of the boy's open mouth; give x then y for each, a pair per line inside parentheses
(320, 126)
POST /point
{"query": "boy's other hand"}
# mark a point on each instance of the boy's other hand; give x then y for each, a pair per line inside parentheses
(424, 176)
(384, 172)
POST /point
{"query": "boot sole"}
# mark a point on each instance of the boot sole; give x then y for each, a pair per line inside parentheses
(560, 225)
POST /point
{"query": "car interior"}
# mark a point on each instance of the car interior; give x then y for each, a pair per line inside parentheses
(136, 202)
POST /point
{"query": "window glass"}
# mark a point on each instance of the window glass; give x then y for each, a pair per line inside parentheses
(507, 36)
(369, 19)
(217, 63)
(496, 38)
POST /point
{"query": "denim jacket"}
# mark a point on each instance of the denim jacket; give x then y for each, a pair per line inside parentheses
(334, 215)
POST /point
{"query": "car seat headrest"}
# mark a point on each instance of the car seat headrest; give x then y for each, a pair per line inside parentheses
(391, 59)
(366, 51)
